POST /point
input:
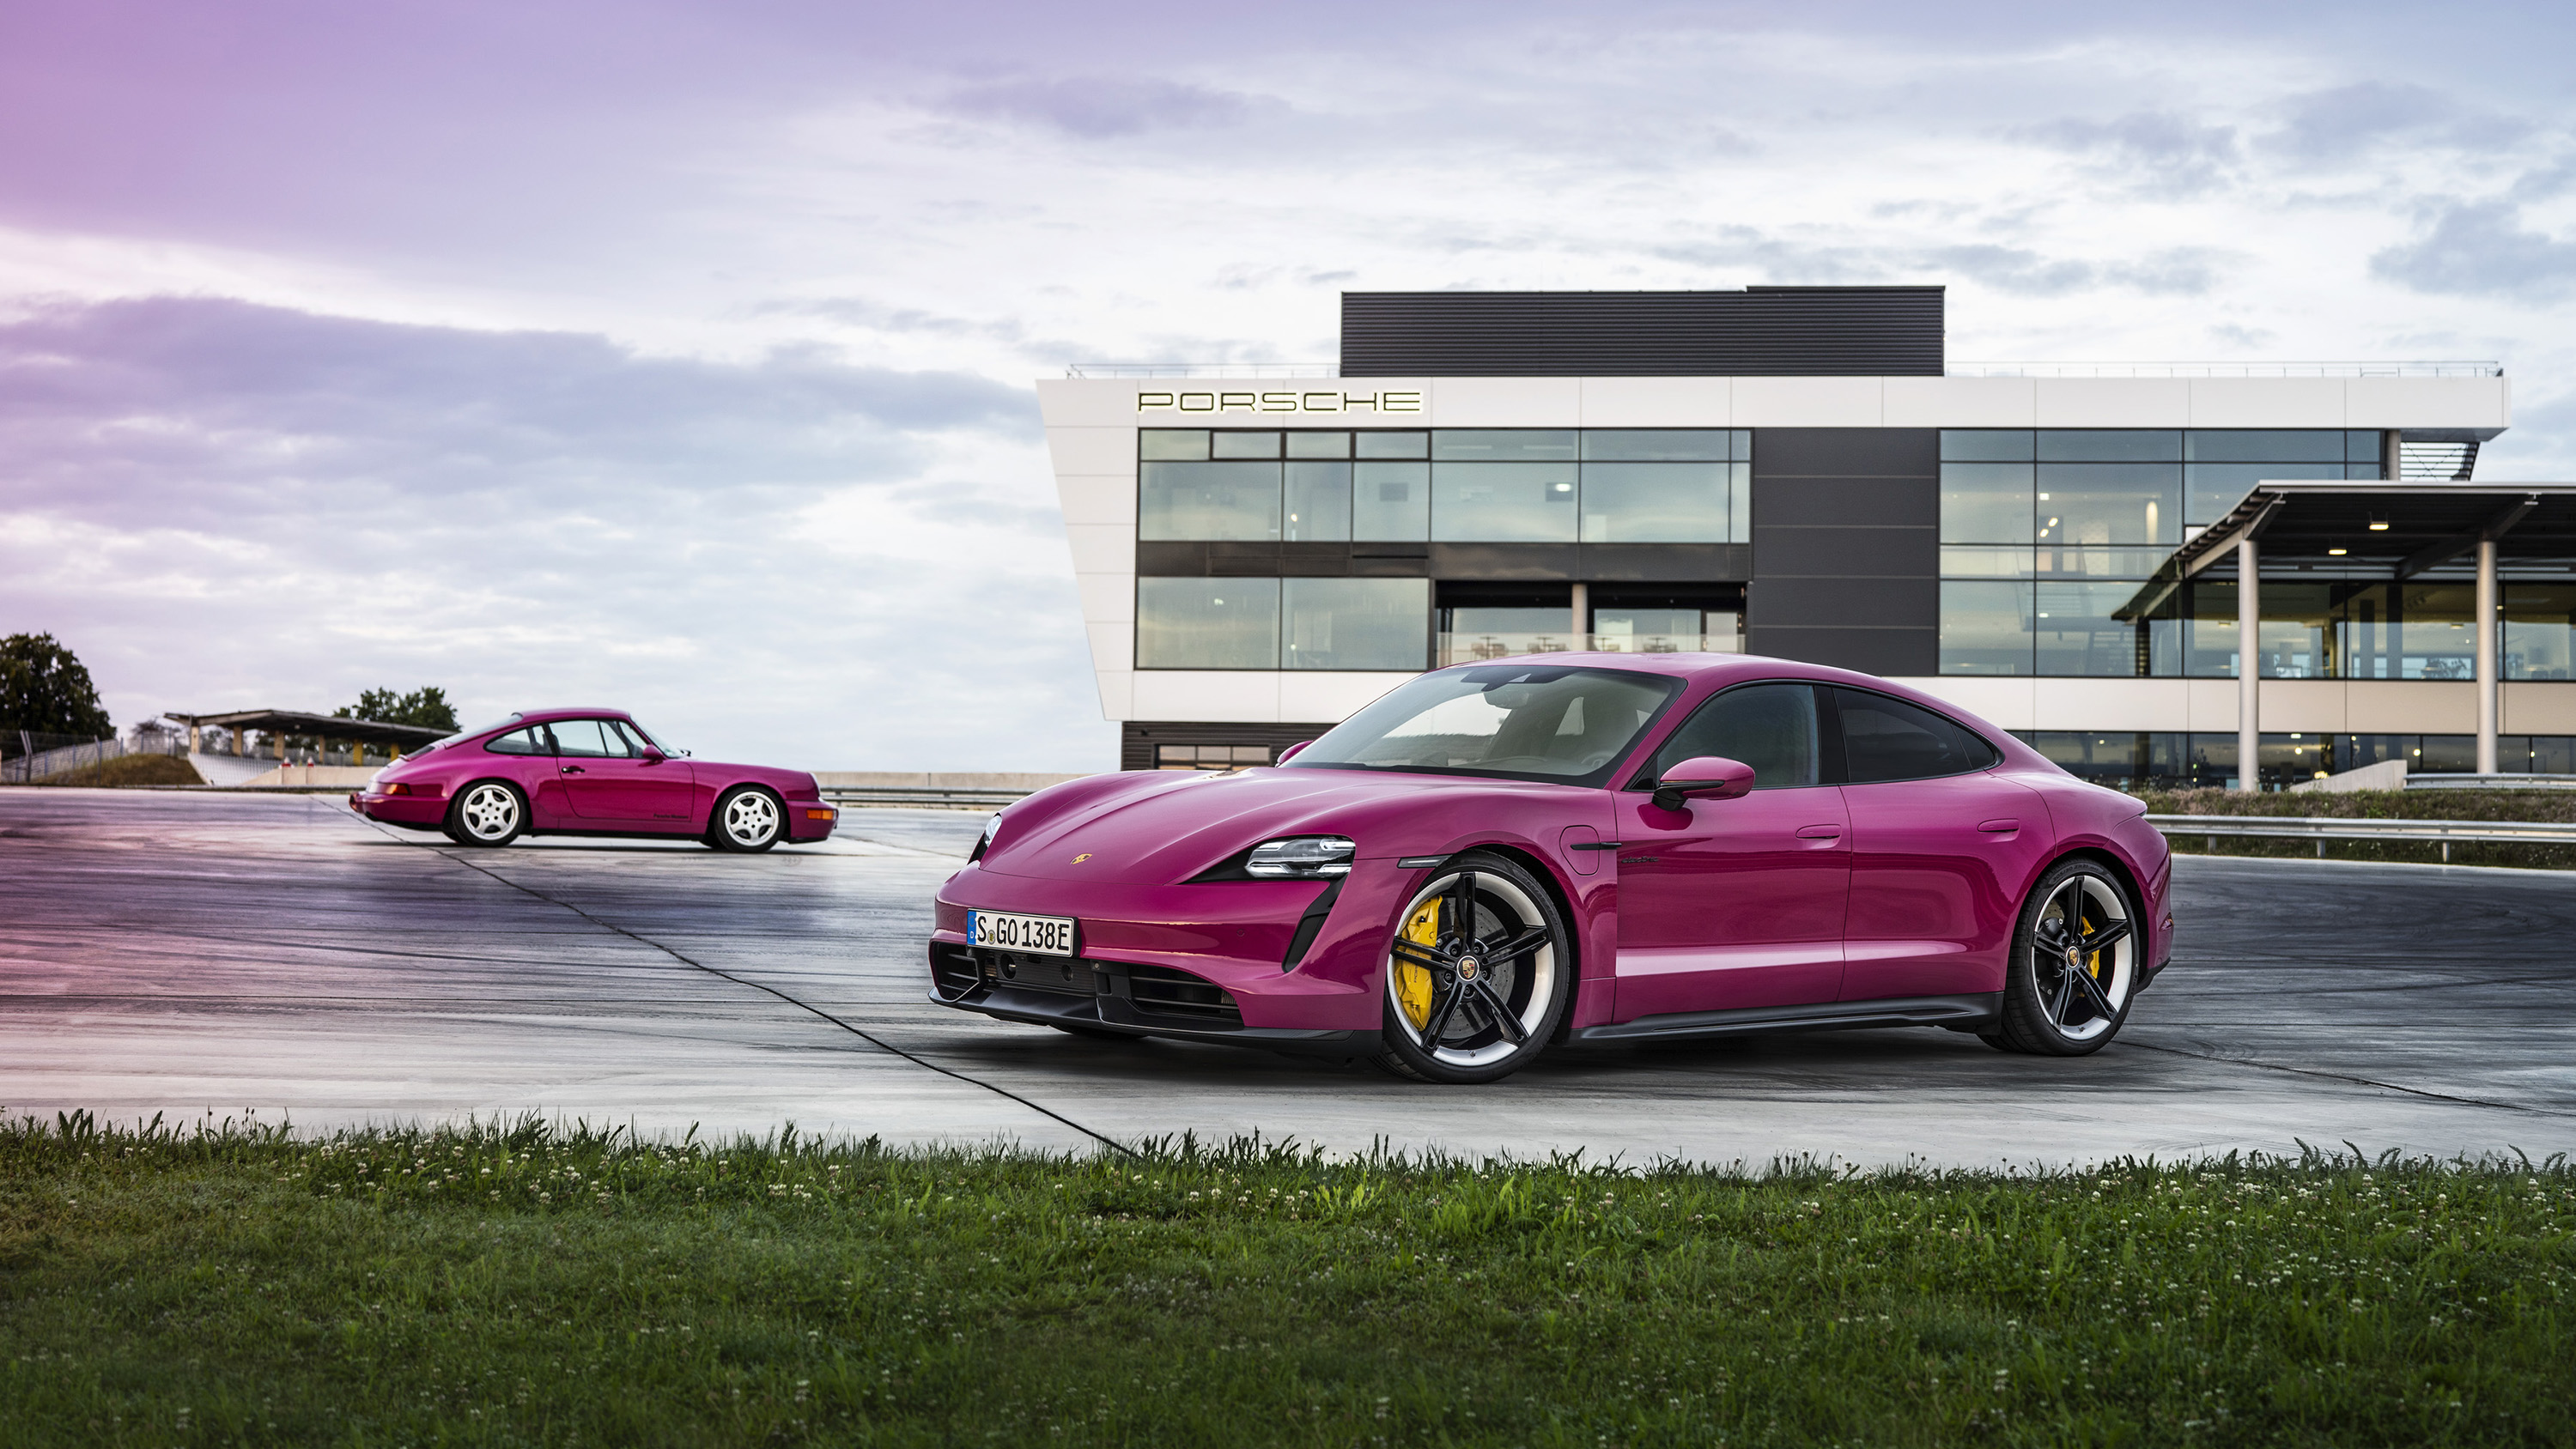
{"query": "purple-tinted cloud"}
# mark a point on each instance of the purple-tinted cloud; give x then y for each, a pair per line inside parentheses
(2480, 248)
(1096, 108)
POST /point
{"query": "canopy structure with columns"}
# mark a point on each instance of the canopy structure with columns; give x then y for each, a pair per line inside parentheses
(2360, 531)
(280, 723)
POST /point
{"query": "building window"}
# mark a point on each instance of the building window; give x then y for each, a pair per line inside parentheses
(1488, 485)
(1209, 757)
(1233, 500)
(1359, 624)
(2089, 515)
(1254, 623)
(1207, 623)
(2539, 632)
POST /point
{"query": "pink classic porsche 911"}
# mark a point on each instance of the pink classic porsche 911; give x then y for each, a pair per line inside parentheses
(1498, 857)
(589, 772)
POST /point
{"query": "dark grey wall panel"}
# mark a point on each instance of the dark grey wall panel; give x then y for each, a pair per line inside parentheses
(1667, 563)
(1871, 651)
(1758, 332)
(1503, 560)
(1847, 548)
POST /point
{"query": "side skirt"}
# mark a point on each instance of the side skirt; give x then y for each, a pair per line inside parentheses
(1981, 1011)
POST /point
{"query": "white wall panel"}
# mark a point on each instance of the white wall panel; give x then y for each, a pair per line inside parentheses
(2538, 708)
(1117, 694)
(2266, 402)
(1113, 644)
(2112, 402)
(1961, 402)
(2213, 704)
(1075, 402)
(2110, 704)
(1107, 598)
(1657, 402)
(2307, 706)
(2003, 703)
(1809, 402)
(1499, 402)
(1102, 548)
(2405, 707)
(1102, 499)
(1093, 450)
(1328, 695)
(1238, 696)
(2428, 402)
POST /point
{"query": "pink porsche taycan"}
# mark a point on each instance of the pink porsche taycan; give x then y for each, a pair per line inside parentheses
(1588, 848)
(589, 772)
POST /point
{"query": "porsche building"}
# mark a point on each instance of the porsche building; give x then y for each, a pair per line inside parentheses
(2148, 571)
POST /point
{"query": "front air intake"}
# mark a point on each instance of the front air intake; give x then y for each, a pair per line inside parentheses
(1167, 991)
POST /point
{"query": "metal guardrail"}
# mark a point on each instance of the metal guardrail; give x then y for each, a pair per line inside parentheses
(2321, 829)
(926, 797)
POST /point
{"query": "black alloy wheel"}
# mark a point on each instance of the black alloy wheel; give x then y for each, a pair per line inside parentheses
(487, 813)
(747, 819)
(2075, 965)
(1479, 973)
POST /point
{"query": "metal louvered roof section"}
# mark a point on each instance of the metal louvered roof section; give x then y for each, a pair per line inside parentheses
(1757, 332)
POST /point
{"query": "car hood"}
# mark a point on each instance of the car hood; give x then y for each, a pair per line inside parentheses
(1150, 827)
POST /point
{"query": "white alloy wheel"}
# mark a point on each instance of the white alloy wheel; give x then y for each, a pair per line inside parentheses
(749, 819)
(2083, 955)
(489, 814)
(1471, 974)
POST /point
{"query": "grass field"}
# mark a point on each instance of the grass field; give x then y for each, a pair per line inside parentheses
(525, 1286)
(130, 770)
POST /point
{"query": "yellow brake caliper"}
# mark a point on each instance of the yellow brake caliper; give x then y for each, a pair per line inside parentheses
(2083, 928)
(1412, 982)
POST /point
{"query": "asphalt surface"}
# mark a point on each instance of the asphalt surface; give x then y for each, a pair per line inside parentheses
(197, 954)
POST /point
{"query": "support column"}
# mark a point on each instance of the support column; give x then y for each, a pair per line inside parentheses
(1582, 615)
(2487, 671)
(2249, 667)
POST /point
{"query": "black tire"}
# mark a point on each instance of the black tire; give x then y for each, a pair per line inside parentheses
(1491, 993)
(2068, 991)
(747, 819)
(486, 815)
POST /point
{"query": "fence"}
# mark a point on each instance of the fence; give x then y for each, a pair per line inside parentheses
(2445, 833)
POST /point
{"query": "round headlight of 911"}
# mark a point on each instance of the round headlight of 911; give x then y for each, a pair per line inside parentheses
(1301, 857)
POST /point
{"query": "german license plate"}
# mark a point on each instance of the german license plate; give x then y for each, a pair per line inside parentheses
(1037, 935)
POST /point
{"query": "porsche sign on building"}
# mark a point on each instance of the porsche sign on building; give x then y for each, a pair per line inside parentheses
(1799, 472)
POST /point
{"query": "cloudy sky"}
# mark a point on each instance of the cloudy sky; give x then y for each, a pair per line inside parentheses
(678, 355)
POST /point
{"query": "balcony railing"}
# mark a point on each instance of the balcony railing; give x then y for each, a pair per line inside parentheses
(2226, 369)
(1470, 648)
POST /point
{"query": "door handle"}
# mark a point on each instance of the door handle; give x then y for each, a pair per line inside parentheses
(1999, 827)
(574, 770)
(1820, 832)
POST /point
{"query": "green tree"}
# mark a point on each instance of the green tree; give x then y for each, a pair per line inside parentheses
(426, 707)
(44, 689)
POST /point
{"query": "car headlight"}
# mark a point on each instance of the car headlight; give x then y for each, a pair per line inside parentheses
(1301, 857)
(992, 828)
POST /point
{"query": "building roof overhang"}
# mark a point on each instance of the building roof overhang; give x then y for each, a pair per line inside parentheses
(297, 722)
(2391, 530)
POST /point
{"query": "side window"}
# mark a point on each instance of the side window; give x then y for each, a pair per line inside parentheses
(1888, 739)
(589, 739)
(529, 741)
(1771, 727)
(631, 736)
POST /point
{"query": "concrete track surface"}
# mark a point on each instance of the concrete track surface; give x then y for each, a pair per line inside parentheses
(225, 953)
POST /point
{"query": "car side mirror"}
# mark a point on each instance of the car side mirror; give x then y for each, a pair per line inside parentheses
(1290, 753)
(654, 757)
(1708, 776)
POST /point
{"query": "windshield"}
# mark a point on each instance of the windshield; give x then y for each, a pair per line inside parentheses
(1533, 722)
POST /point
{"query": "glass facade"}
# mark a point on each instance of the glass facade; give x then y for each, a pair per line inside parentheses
(2048, 536)
(1453, 485)
(1249, 623)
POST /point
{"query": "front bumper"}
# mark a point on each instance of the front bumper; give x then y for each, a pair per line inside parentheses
(412, 812)
(1207, 961)
(811, 820)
